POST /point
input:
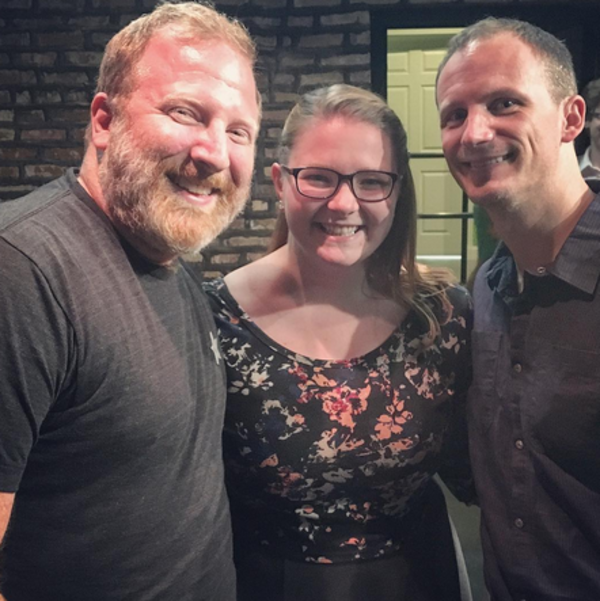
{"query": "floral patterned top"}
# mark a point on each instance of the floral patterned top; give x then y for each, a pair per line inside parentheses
(325, 459)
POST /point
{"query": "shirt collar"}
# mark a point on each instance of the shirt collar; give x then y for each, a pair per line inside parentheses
(577, 263)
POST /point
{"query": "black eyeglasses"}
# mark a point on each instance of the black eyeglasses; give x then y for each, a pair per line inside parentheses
(320, 183)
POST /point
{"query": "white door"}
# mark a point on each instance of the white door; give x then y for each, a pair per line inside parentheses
(413, 59)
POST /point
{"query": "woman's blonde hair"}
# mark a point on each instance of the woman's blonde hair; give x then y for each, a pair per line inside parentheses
(391, 270)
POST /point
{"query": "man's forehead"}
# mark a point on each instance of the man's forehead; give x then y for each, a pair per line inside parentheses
(169, 49)
(492, 46)
(501, 56)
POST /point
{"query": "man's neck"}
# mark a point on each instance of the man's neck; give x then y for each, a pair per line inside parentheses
(536, 240)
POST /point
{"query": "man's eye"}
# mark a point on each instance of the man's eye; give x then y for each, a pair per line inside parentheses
(454, 118)
(503, 105)
(183, 115)
(240, 135)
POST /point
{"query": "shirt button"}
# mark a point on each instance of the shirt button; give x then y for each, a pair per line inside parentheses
(519, 523)
(519, 444)
(541, 270)
(518, 368)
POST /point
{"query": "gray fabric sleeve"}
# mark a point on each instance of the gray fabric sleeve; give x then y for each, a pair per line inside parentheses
(34, 353)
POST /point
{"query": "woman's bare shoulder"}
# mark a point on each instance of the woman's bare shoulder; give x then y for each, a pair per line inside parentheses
(254, 285)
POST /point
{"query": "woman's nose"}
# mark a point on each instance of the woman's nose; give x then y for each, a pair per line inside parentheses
(344, 199)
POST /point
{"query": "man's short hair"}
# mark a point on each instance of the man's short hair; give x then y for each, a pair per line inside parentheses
(552, 51)
(591, 95)
(190, 20)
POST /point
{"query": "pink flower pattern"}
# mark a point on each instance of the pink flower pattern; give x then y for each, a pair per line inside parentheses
(321, 455)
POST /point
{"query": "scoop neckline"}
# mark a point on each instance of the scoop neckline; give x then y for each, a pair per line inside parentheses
(249, 323)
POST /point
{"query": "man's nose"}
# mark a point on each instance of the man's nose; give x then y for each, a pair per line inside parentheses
(344, 200)
(210, 149)
(477, 129)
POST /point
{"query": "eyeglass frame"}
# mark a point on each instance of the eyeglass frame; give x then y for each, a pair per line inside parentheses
(342, 177)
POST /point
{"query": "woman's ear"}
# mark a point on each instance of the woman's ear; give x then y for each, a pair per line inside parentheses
(100, 120)
(574, 113)
(277, 177)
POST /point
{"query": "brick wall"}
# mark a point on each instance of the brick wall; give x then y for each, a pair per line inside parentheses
(50, 51)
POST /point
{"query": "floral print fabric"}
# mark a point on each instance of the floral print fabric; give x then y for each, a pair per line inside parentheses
(325, 459)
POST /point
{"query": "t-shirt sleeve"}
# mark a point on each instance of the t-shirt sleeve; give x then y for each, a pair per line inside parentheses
(34, 354)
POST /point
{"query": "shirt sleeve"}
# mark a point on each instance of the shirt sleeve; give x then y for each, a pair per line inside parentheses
(34, 354)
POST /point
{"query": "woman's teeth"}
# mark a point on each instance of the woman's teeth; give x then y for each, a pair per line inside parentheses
(339, 230)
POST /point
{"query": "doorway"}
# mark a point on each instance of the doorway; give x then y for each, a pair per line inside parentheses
(445, 227)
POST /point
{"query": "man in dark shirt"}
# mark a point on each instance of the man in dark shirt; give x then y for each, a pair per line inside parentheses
(111, 384)
(509, 114)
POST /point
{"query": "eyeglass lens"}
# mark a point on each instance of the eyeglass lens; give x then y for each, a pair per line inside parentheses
(323, 183)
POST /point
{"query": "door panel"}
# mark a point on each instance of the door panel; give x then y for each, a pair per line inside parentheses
(412, 68)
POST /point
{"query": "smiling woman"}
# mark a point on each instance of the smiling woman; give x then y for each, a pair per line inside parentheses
(347, 367)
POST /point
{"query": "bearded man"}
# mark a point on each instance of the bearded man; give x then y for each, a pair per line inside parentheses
(112, 386)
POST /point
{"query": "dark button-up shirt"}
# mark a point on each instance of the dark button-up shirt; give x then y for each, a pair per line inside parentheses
(535, 422)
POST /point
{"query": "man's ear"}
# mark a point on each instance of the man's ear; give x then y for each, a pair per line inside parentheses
(574, 113)
(101, 118)
(276, 175)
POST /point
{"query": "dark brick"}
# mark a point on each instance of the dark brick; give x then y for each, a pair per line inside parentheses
(325, 40)
(300, 21)
(47, 97)
(11, 77)
(89, 22)
(14, 39)
(6, 134)
(16, 4)
(60, 39)
(114, 5)
(77, 134)
(68, 79)
(30, 116)
(45, 23)
(79, 97)
(271, 3)
(83, 59)
(35, 59)
(42, 135)
(316, 3)
(23, 98)
(8, 172)
(353, 18)
(17, 154)
(360, 39)
(68, 115)
(99, 40)
(63, 155)
(43, 172)
(67, 5)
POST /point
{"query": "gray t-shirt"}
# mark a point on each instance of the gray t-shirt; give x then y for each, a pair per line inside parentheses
(112, 399)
